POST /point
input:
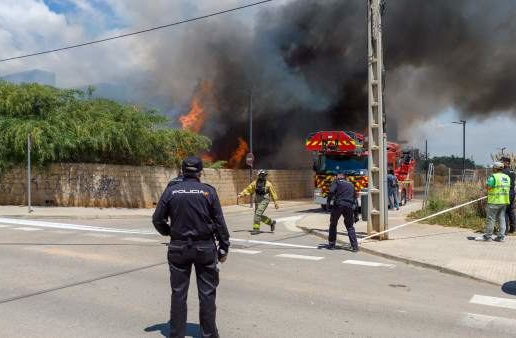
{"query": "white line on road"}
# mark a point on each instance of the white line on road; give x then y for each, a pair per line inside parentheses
(494, 301)
(288, 245)
(78, 227)
(290, 222)
(365, 263)
(490, 323)
(142, 240)
(27, 229)
(247, 252)
(94, 234)
(309, 258)
(4, 226)
(62, 232)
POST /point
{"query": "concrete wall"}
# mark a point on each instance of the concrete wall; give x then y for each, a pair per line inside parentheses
(100, 185)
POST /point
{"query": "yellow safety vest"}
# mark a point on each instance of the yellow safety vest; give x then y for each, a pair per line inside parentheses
(499, 194)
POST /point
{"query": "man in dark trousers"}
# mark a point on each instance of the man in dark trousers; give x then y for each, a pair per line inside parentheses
(343, 195)
(510, 219)
(189, 212)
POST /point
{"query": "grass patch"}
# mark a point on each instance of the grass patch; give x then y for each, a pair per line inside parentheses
(441, 198)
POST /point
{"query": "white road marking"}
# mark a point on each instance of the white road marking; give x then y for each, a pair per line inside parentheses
(288, 245)
(4, 226)
(290, 223)
(490, 323)
(94, 234)
(62, 232)
(27, 229)
(138, 239)
(494, 301)
(309, 258)
(365, 263)
(78, 227)
(247, 252)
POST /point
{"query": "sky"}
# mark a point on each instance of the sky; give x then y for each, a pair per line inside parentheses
(32, 25)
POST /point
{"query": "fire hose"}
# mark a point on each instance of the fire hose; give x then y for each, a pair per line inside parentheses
(421, 219)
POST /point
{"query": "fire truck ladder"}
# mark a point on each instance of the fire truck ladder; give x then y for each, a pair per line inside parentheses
(377, 190)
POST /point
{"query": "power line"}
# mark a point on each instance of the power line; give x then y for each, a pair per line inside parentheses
(135, 33)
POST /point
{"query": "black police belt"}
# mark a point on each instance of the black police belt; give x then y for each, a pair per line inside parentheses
(190, 240)
(348, 201)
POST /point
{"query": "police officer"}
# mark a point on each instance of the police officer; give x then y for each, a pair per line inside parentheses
(343, 195)
(510, 219)
(189, 212)
(264, 191)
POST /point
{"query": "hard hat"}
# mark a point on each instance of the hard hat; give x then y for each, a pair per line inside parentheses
(192, 164)
(498, 165)
(262, 172)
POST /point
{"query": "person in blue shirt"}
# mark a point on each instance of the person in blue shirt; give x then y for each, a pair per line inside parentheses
(392, 190)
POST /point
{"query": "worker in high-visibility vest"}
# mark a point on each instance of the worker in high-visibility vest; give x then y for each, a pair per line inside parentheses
(264, 192)
(498, 186)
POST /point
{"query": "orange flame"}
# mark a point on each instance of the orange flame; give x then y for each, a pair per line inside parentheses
(195, 118)
(207, 158)
(238, 155)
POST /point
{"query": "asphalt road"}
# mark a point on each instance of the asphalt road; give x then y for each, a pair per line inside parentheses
(109, 278)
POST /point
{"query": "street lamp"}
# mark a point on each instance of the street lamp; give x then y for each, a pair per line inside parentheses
(502, 149)
(463, 122)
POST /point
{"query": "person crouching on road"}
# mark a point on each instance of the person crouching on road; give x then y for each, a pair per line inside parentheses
(190, 213)
(343, 195)
(498, 185)
(510, 220)
(264, 191)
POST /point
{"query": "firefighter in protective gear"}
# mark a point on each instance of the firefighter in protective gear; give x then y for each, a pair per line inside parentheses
(264, 193)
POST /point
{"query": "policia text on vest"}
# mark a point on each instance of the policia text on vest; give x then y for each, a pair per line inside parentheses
(190, 213)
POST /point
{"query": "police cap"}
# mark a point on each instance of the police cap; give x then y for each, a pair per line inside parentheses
(498, 165)
(192, 164)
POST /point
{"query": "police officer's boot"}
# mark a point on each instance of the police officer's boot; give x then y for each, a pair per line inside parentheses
(331, 246)
(273, 226)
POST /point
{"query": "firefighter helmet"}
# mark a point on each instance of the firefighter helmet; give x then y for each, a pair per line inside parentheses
(262, 172)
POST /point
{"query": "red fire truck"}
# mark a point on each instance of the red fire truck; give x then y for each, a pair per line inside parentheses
(336, 151)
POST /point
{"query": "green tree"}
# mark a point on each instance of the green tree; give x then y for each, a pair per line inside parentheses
(66, 126)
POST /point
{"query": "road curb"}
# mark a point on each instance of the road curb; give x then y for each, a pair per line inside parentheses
(245, 210)
(406, 260)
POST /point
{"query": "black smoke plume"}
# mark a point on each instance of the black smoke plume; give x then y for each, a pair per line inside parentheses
(306, 65)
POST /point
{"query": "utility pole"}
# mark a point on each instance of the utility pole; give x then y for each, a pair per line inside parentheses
(377, 219)
(251, 156)
(463, 122)
(426, 155)
(29, 197)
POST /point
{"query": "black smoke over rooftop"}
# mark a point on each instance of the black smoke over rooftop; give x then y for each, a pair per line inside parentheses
(306, 63)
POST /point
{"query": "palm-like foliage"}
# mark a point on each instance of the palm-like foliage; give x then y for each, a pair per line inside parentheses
(67, 127)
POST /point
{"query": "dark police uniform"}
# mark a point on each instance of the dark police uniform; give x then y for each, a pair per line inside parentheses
(196, 220)
(342, 193)
(510, 219)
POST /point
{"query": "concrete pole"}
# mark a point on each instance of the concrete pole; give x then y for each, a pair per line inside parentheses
(377, 166)
(251, 140)
(29, 197)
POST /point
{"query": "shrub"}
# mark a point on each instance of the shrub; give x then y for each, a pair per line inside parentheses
(67, 127)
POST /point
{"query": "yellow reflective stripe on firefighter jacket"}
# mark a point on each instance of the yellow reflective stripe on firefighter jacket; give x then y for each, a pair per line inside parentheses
(268, 186)
(499, 194)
